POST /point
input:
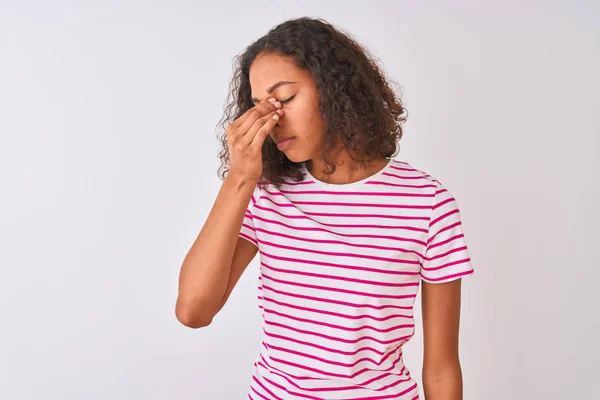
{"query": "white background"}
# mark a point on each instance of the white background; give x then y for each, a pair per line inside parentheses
(108, 160)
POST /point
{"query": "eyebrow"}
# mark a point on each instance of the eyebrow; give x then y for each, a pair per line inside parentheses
(273, 88)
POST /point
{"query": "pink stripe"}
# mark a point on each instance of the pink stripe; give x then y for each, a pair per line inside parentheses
(255, 391)
(342, 266)
(400, 185)
(457, 223)
(285, 375)
(449, 276)
(403, 176)
(355, 374)
(340, 327)
(298, 183)
(361, 245)
(334, 289)
(248, 238)
(305, 215)
(265, 389)
(464, 260)
(455, 237)
(351, 255)
(333, 301)
(330, 362)
(374, 226)
(274, 371)
(404, 338)
(389, 396)
(346, 316)
(341, 193)
(391, 385)
(324, 348)
(386, 372)
(249, 227)
(340, 278)
(455, 250)
(441, 217)
(369, 226)
(385, 375)
(328, 203)
(446, 201)
(360, 386)
(362, 236)
(263, 363)
(405, 169)
(288, 392)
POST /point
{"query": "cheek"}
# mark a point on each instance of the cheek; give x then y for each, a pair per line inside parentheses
(303, 115)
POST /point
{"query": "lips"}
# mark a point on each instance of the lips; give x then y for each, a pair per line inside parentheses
(283, 139)
(284, 142)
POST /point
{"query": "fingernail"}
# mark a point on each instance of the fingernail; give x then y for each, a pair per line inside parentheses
(280, 112)
(278, 105)
(272, 100)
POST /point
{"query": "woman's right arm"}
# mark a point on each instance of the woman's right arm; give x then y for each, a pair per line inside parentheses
(218, 256)
(206, 268)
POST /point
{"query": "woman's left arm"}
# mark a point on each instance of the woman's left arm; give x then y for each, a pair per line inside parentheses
(442, 375)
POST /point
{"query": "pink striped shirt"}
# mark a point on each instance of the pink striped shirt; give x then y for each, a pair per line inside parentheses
(340, 266)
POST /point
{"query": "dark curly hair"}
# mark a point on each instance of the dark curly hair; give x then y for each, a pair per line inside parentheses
(358, 106)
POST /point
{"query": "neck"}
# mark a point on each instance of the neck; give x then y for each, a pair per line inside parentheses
(347, 170)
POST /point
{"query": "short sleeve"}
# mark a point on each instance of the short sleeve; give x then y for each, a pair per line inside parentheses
(446, 256)
(248, 230)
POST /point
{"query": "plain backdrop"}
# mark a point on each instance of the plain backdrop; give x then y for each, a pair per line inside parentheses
(108, 160)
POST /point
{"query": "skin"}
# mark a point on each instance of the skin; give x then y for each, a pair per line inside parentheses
(441, 374)
(275, 75)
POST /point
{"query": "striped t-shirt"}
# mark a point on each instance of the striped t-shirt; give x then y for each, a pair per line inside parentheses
(340, 266)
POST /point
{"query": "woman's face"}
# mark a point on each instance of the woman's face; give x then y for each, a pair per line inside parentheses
(276, 75)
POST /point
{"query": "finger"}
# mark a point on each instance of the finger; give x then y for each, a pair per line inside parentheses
(264, 131)
(260, 111)
(254, 113)
(249, 136)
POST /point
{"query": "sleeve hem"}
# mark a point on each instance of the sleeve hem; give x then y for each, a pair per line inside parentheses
(248, 238)
(449, 278)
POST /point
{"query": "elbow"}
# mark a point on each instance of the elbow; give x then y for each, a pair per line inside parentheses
(192, 315)
(441, 370)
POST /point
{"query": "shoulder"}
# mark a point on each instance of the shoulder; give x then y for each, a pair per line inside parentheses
(402, 165)
(408, 170)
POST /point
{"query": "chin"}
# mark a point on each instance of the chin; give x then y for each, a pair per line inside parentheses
(295, 157)
(292, 158)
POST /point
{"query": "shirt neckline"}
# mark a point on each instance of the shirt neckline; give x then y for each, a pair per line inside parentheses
(344, 186)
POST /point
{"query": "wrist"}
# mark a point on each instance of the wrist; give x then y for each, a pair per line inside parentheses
(239, 179)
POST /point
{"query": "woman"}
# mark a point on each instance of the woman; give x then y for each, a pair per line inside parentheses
(346, 232)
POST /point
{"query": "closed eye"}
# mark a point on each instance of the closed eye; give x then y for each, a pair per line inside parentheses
(285, 101)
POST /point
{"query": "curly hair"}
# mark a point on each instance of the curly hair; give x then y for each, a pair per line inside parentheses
(358, 106)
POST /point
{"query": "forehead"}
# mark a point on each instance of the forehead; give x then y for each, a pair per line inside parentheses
(270, 68)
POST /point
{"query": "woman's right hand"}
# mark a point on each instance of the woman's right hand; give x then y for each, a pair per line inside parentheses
(246, 135)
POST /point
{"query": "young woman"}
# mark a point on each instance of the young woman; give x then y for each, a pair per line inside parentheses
(346, 232)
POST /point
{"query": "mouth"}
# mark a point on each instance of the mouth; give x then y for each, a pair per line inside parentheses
(284, 142)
